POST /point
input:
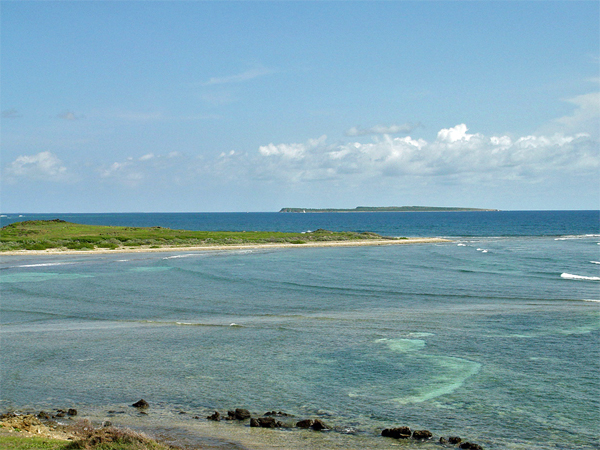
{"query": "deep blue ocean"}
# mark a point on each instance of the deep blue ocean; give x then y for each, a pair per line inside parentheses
(493, 336)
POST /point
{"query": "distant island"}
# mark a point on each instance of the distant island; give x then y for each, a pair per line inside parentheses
(383, 209)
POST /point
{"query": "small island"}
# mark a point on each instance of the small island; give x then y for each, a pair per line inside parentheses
(51, 236)
(383, 209)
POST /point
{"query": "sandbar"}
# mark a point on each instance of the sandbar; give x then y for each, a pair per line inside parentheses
(262, 246)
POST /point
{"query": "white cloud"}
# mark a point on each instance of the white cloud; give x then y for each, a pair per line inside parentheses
(381, 129)
(455, 154)
(42, 166)
(240, 77)
(458, 133)
(147, 169)
(586, 115)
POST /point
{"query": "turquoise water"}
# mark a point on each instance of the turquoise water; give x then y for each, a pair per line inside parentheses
(494, 338)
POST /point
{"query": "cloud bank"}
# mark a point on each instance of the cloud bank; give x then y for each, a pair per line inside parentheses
(454, 153)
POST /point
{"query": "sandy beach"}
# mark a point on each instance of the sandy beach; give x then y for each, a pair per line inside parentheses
(147, 249)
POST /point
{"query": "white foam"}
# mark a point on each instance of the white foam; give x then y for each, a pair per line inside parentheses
(45, 264)
(595, 262)
(404, 345)
(591, 300)
(179, 256)
(461, 245)
(570, 276)
(580, 236)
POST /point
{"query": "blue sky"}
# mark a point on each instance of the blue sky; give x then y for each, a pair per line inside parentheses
(254, 106)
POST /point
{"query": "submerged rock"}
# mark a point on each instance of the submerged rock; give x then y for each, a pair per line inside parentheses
(242, 414)
(277, 413)
(143, 404)
(216, 416)
(318, 425)
(454, 440)
(306, 423)
(422, 435)
(397, 433)
(470, 446)
(72, 412)
(238, 414)
(268, 422)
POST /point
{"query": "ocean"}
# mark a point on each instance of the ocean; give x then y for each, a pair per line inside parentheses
(493, 336)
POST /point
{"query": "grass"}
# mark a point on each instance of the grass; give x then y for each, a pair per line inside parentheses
(58, 234)
(86, 438)
(31, 443)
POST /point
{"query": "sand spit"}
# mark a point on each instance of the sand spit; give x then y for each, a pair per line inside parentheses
(142, 249)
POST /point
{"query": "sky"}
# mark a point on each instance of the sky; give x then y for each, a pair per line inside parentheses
(206, 106)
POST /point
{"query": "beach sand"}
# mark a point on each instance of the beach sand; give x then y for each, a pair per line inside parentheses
(147, 249)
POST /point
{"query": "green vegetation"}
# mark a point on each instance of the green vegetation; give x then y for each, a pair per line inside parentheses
(113, 439)
(83, 436)
(58, 234)
(383, 209)
(31, 443)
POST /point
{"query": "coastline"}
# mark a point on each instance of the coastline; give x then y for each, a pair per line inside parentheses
(147, 249)
(192, 430)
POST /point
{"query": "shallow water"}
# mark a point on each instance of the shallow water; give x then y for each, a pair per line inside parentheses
(482, 337)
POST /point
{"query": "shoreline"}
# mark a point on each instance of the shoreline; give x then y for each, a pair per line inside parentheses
(142, 249)
(235, 430)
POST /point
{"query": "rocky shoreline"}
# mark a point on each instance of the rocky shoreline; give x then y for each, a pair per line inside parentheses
(48, 424)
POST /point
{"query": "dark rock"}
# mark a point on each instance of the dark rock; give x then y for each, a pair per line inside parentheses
(318, 425)
(267, 422)
(107, 423)
(254, 423)
(216, 416)
(72, 412)
(454, 440)
(470, 446)
(60, 413)
(143, 404)
(443, 441)
(242, 414)
(422, 435)
(306, 423)
(397, 433)
(43, 415)
(277, 413)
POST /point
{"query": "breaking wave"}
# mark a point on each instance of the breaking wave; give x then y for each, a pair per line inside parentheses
(570, 276)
